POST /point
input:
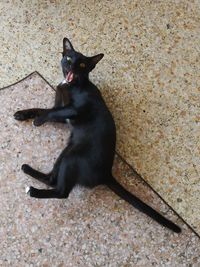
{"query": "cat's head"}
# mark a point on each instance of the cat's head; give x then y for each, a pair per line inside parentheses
(74, 64)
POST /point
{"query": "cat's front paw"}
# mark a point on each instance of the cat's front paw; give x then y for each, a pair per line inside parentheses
(20, 115)
(38, 121)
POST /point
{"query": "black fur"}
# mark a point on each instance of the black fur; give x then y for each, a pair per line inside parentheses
(88, 158)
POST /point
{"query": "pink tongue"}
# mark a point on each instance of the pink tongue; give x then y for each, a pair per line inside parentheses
(70, 76)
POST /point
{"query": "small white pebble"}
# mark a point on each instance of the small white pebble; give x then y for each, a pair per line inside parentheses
(27, 189)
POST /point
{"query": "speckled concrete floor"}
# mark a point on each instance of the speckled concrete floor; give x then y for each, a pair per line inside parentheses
(91, 227)
(149, 77)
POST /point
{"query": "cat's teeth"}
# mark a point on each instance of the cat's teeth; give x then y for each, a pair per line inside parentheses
(70, 77)
(27, 190)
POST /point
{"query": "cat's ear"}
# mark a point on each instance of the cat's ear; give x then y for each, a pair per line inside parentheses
(67, 46)
(95, 59)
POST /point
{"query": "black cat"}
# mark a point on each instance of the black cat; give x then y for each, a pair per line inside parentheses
(88, 158)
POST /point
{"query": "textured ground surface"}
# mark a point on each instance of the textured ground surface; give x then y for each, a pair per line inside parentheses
(90, 228)
(149, 77)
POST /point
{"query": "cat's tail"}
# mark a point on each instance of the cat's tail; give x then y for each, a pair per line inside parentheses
(141, 206)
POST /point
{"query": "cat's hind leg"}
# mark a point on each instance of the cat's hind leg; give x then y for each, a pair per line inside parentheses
(65, 182)
(43, 193)
(48, 179)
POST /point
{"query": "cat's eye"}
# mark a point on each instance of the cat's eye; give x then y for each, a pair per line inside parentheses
(69, 60)
(82, 65)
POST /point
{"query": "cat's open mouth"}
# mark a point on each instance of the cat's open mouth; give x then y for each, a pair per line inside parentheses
(69, 76)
